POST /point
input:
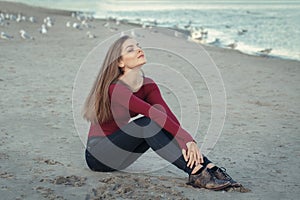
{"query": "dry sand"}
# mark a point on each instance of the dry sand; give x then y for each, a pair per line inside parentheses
(42, 155)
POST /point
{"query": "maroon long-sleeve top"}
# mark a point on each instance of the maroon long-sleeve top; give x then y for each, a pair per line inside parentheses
(147, 101)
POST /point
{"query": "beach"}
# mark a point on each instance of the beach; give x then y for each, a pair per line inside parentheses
(42, 154)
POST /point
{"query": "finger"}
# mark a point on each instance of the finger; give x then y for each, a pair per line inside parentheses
(198, 158)
(201, 158)
(193, 160)
(184, 155)
(190, 160)
(188, 153)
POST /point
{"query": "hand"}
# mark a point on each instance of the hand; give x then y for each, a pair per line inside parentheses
(193, 155)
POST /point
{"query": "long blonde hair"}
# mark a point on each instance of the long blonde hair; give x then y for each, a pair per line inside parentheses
(97, 105)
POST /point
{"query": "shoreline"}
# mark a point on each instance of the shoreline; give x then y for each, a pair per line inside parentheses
(42, 155)
(187, 33)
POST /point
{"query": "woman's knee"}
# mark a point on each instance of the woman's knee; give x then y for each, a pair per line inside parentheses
(95, 165)
(143, 121)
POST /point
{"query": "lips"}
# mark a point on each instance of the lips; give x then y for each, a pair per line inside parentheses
(141, 56)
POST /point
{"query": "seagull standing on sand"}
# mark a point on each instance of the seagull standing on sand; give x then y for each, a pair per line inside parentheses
(132, 33)
(19, 18)
(49, 21)
(106, 24)
(176, 34)
(6, 36)
(25, 35)
(90, 35)
(43, 29)
(76, 25)
(12, 17)
(68, 24)
(86, 24)
(1, 22)
(32, 19)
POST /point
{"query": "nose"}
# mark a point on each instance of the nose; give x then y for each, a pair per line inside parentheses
(139, 49)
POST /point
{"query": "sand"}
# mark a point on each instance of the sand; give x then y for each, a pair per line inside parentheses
(42, 155)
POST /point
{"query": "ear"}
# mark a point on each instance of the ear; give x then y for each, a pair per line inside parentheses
(121, 64)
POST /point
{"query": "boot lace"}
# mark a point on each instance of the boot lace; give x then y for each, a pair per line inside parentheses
(224, 173)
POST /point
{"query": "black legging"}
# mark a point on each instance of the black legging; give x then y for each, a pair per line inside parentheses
(120, 149)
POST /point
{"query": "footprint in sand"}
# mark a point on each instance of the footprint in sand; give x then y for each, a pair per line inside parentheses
(48, 193)
(48, 161)
(73, 180)
(6, 175)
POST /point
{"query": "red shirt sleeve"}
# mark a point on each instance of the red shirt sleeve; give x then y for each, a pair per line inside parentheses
(122, 95)
(154, 97)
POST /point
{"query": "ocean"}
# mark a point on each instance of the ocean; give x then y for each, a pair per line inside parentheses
(266, 27)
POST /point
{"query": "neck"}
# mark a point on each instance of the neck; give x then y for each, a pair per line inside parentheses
(133, 78)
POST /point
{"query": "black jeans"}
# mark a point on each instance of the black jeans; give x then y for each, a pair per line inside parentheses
(120, 149)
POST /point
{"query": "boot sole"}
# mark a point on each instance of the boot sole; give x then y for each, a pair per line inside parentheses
(214, 189)
(221, 187)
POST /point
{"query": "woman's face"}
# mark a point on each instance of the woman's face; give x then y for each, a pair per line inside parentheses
(132, 55)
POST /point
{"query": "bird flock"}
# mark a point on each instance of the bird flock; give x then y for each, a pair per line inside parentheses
(79, 21)
(83, 21)
(7, 18)
(200, 35)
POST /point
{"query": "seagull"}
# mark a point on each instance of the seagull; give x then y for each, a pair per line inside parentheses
(1, 22)
(216, 42)
(188, 25)
(80, 17)
(68, 24)
(132, 33)
(12, 17)
(86, 24)
(43, 29)
(48, 21)
(90, 35)
(19, 18)
(23, 18)
(106, 24)
(7, 16)
(25, 35)
(32, 19)
(76, 25)
(265, 52)
(232, 45)
(242, 32)
(113, 29)
(6, 36)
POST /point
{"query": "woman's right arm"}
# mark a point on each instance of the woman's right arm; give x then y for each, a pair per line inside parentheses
(122, 95)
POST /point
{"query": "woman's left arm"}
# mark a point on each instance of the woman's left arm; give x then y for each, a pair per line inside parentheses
(154, 97)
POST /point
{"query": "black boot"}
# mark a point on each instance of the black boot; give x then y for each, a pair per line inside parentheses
(207, 180)
(220, 173)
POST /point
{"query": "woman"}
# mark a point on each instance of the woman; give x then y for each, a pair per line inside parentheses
(121, 92)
